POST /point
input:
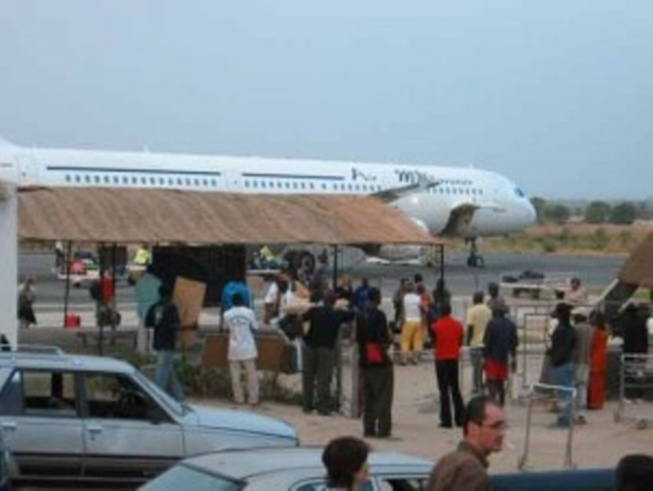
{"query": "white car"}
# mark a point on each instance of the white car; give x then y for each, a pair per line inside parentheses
(69, 417)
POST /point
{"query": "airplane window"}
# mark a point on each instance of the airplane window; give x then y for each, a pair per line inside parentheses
(196, 182)
(342, 187)
(152, 180)
(78, 178)
(294, 185)
(303, 185)
(246, 184)
(106, 179)
(364, 187)
(287, 185)
(67, 177)
(255, 184)
(311, 185)
(324, 186)
(87, 178)
(116, 179)
(96, 179)
(214, 183)
(349, 186)
(262, 184)
(171, 181)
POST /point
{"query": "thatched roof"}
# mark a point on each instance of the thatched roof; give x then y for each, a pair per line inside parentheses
(162, 216)
(638, 268)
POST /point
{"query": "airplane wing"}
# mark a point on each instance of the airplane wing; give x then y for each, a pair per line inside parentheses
(393, 194)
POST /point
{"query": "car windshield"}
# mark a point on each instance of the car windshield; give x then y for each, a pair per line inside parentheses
(182, 477)
(161, 395)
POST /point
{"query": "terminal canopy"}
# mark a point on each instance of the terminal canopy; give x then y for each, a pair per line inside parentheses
(638, 268)
(190, 217)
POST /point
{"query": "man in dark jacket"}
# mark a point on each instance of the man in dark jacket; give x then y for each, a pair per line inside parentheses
(500, 345)
(374, 339)
(163, 317)
(465, 469)
(563, 344)
(635, 334)
(319, 351)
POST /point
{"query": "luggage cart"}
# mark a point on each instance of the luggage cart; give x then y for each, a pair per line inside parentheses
(635, 375)
(537, 393)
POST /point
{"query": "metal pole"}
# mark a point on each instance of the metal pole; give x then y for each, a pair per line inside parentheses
(335, 266)
(441, 246)
(114, 251)
(100, 338)
(66, 297)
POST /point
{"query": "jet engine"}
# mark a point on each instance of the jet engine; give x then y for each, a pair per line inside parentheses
(398, 252)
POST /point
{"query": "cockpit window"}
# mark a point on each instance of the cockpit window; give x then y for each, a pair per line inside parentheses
(519, 193)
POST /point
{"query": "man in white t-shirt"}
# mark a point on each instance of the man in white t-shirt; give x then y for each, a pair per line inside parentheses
(278, 295)
(241, 322)
(411, 331)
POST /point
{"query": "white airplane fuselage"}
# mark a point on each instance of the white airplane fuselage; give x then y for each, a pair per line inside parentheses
(485, 203)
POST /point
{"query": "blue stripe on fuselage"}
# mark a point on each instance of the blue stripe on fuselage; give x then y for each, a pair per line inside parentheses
(131, 170)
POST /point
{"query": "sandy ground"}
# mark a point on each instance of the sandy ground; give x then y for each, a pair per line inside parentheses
(599, 443)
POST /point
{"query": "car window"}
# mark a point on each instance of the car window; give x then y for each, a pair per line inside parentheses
(118, 397)
(40, 393)
(402, 484)
(321, 486)
(182, 477)
(11, 397)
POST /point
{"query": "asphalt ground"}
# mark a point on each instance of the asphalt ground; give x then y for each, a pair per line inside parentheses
(596, 271)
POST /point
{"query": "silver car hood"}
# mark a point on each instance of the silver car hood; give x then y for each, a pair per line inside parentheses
(242, 421)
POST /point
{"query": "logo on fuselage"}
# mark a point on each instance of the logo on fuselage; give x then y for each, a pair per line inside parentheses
(357, 174)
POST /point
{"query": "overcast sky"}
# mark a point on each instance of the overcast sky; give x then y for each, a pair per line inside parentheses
(555, 94)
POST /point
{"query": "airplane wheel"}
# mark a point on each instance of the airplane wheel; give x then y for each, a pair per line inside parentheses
(475, 261)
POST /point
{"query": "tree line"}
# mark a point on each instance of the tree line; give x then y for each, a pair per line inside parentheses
(596, 212)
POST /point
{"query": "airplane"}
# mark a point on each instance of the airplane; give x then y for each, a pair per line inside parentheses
(445, 201)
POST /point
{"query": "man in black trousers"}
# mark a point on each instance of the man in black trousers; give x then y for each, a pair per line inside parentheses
(374, 339)
(319, 351)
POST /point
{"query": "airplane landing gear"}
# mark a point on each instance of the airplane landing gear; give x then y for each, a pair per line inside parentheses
(474, 260)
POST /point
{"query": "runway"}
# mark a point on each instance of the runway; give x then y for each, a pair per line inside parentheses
(596, 271)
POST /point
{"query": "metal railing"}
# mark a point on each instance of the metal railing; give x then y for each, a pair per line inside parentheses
(538, 391)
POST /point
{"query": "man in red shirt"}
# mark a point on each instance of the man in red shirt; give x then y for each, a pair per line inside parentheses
(447, 340)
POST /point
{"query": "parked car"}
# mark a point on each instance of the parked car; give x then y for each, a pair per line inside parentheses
(6, 464)
(297, 469)
(301, 469)
(104, 420)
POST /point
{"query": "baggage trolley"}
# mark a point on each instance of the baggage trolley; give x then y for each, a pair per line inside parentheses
(537, 393)
(635, 379)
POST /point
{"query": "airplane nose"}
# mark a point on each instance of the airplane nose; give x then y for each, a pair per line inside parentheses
(530, 214)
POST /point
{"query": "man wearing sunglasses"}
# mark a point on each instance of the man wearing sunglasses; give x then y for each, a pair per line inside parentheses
(465, 469)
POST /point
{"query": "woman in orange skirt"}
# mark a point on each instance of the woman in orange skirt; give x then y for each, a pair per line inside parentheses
(598, 363)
